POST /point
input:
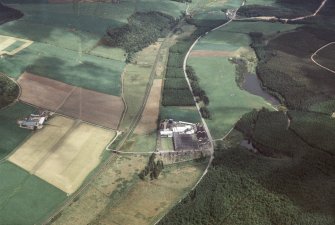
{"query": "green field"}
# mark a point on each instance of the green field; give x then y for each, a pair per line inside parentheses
(230, 38)
(227, 101)
(188, 114)
(24, 198)
(217, 74)
(68, 66)
(11, 135)
(140, 143)
(71, 25)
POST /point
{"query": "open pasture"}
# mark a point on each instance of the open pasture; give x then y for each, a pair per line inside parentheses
(24, 198)
(94, 107)
(177, 113)
(71, 67)
(69, 24)
(64, 152)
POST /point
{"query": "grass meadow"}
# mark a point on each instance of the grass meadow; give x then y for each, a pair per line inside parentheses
(24, 198)
(177, 113)
(217, 74)
(71, 67)
(227, 101)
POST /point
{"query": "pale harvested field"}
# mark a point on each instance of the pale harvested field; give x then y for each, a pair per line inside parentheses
(91, 106)
(6, 41)
(64, 152)
(148, 122)
(104, 189)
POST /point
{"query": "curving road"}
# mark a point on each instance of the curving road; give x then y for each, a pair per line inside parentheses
(315, 53)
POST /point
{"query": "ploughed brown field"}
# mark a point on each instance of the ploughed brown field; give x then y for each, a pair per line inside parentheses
(87, 105)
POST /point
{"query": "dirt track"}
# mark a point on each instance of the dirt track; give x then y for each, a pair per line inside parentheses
(91, 106)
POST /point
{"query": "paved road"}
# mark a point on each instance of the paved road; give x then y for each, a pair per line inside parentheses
(315, 53)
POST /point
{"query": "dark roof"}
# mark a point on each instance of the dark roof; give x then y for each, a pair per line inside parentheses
(184, 142)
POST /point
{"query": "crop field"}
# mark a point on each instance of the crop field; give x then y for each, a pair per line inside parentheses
(109, 53)
(106, 189)
(146, 201)
(86, 71)
(11, 134)
(64, 152)
(187, 113)
(261, 2)
(230, 38)
(212, 6)
(149, 119)
(73, 26)
(24, 198)
(94, 107)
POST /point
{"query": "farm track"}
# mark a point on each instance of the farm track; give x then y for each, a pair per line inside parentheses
(315, 53)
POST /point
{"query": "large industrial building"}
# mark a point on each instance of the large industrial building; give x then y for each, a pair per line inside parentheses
(186, 136)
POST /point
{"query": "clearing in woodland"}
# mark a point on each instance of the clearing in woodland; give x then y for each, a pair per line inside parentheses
(64, 152)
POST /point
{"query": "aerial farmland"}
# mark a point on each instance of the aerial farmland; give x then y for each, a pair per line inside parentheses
(167, 112)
